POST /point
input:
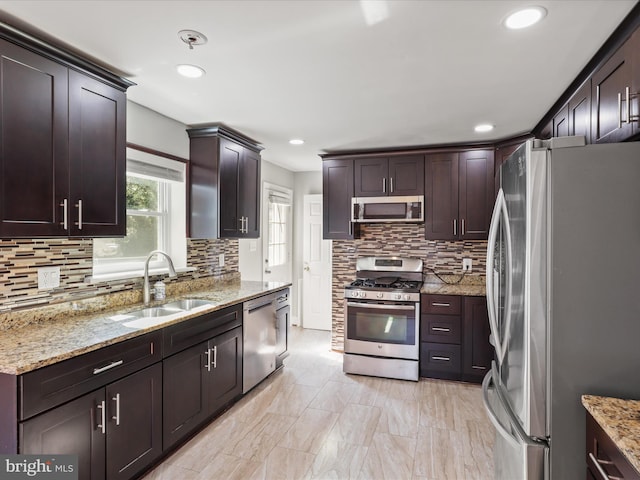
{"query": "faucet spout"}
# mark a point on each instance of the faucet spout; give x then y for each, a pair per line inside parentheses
(146, 290)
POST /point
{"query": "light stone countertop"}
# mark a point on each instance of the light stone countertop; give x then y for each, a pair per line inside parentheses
(472, 286)
(48, 340)
(620, 419)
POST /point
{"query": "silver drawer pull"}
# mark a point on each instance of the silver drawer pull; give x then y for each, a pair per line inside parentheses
(107, 367)
(208, 364)
(440, 329)
(446, 359)
(116, 417)
(102, 425)
(601, 471)
(438, 304)
(478, 367)
(215, 356)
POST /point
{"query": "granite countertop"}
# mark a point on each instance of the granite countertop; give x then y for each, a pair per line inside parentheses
(472, 286)
(49, 340)
(620, 419)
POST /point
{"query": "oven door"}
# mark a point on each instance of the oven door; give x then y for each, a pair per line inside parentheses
(383, 330)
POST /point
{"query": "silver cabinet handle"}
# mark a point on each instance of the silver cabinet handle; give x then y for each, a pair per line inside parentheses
(628, 95)
(478, 367)
(103, 424)
(241, 220)
(619, 110)
(391, 184)
(79, 222)
(215, 356)
(440, 329)
(439, 304)
(437, 357)
(384, 185)
(107, 367)
(65, 214)
(601, 471)
(455, 226)
(208, 365)
(462, 227)
(117, 415)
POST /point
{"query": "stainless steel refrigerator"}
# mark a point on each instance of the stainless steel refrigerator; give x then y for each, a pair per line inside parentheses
(563, 293)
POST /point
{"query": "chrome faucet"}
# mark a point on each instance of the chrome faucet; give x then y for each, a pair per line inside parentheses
(146, 293)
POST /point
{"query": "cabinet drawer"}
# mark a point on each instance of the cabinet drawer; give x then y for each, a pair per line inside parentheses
(440, 357)
(53, 385)
(190, 332)
(603, 455)
(440, 329)
(441, 304)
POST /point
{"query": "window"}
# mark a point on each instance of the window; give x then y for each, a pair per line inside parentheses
(279, 211)
(156, 218)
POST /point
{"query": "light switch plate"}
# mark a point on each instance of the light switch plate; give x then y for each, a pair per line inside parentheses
(48, 278)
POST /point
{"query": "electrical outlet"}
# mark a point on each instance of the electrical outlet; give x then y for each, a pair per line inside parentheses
(48, 278)
(466, 265)
(221, 259)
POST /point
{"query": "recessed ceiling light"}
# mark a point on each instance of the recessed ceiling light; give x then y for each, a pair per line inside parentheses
(525, 18)
(296, 141)
(190, 71)
(483, 127)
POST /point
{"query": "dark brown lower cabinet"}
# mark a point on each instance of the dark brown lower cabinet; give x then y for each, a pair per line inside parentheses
(116, 431)
(199, 382)
(604, 459)
(454, 334)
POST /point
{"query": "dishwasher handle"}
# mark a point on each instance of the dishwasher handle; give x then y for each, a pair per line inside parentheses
(258, 303)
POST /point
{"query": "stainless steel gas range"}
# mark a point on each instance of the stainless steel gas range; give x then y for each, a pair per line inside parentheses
(382, 318)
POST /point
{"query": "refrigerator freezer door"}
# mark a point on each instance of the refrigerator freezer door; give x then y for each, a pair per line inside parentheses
(516, 455)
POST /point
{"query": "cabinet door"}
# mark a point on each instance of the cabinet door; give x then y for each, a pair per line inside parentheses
(337, 191)
(249, 194)
(608, 100)
(406, 175)
(97, 149)
(561, 122)
(371, 177)
(33, 139)
(230, 158)
(184, 392)
(74, 428)
(441, 196)
(580, 112)
(477, 351)
(224, 381)
(134, 422)
(476, 194)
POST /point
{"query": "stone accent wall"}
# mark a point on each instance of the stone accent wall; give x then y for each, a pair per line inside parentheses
(20, 259)
(396, 239)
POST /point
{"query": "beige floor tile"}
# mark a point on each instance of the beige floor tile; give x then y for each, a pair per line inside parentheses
(334, 396)
(400, 417)
(338, 461)
(166, 471)
(286, 464)
(356, 425)
(258, 442)
(310, 430)
(293, 399)
(389, 458)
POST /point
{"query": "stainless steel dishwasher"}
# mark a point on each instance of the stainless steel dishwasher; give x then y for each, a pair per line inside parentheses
(259, 342)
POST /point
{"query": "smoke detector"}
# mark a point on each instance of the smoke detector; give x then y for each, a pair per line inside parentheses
(191, 38)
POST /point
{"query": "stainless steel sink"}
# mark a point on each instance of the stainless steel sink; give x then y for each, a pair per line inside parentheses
(188, 304)
(161, 311)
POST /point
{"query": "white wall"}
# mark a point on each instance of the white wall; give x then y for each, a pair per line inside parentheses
(149, 128)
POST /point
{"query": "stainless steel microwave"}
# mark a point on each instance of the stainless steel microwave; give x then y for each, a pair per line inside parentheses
(387, 209)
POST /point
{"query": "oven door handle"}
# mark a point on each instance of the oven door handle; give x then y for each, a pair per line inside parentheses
(381, 306)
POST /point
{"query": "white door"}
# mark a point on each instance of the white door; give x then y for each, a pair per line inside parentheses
(316, 278)
(278, 234)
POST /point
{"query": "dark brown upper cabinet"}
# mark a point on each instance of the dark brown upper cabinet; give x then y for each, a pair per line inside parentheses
(459, 195)
(337, 191)
(580, 112)
(614, 96)
(561, 122)
(382, 176)
(224, 184)
(63, 143)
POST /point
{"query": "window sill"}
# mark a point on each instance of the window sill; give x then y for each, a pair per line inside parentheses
(106, 277)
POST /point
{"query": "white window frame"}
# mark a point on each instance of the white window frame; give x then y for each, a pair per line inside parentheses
(172, 215)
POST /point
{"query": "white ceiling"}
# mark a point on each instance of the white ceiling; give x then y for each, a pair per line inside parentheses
(315, 69)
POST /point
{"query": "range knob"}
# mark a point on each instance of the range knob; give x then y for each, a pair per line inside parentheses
(406, 296)
(363, 294)
(379, 295)
(397, 296)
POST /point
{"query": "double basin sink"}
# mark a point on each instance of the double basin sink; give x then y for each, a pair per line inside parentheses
(151, 316)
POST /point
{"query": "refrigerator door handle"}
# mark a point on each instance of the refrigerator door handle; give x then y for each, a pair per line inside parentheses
(521, 436)
(499, 215)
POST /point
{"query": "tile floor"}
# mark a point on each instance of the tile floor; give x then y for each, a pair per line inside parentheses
(311, 421)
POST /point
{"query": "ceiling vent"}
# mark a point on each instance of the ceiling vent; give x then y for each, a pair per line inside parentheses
(191, 38)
